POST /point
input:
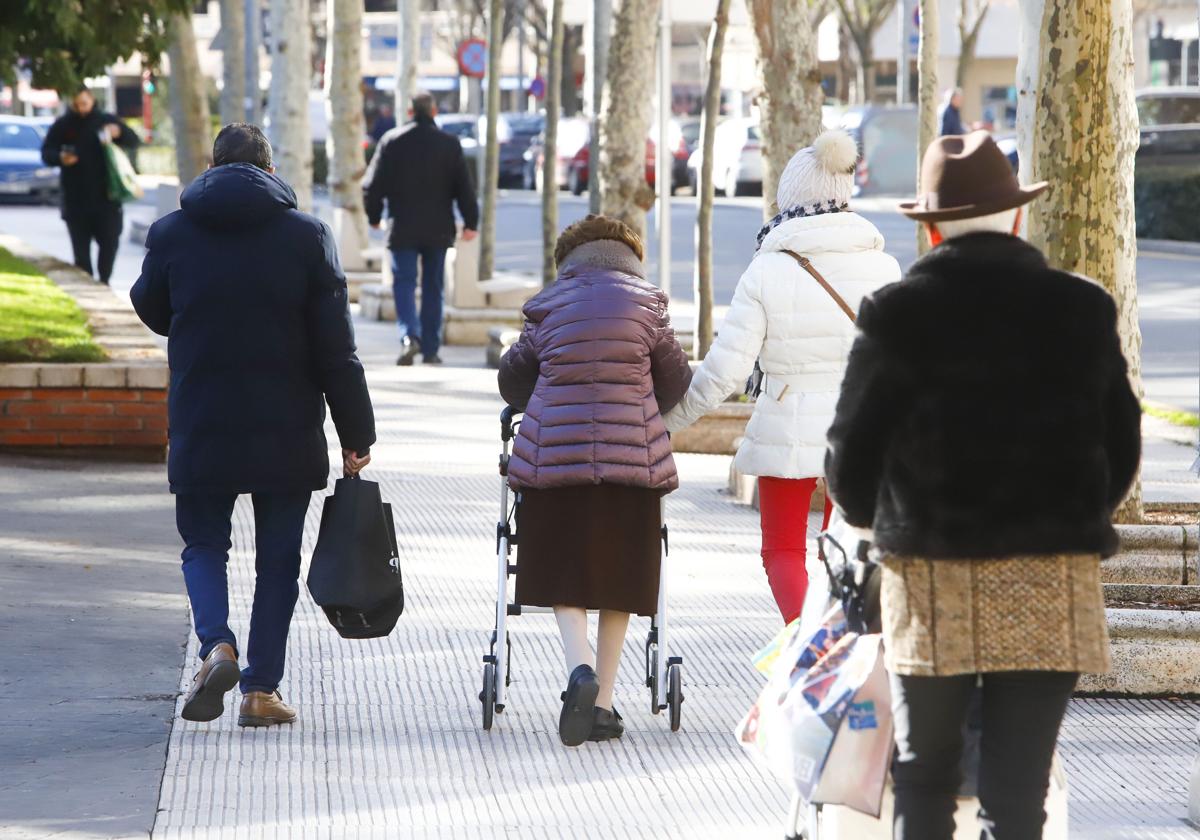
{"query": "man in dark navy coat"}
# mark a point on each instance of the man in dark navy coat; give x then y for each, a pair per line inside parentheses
(252, 298)
(419, 171)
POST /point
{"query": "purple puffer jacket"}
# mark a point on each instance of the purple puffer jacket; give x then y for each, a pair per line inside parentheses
(594, 370)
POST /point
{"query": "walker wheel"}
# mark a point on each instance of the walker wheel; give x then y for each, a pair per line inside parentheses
(488, 695)
(675, 694)
(652, 681)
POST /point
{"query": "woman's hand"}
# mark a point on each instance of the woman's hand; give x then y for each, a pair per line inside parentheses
(353, 464)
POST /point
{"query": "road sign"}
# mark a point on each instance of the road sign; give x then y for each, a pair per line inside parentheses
(473, 58)
(537, 88)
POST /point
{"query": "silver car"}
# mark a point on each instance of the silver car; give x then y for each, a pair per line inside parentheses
(737, 158)
(23, 175)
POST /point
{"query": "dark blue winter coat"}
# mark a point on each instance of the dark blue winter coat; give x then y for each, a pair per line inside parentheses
(252, 298)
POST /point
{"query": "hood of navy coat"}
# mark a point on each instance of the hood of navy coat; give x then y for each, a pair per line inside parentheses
(236, 195)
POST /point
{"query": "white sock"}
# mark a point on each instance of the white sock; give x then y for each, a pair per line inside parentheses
(610, 639)
(573, 626)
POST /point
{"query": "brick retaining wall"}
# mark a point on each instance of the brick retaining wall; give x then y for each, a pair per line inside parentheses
(84, 417)
(113, 409)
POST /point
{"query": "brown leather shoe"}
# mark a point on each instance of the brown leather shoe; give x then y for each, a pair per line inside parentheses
(205, 700)
(260, 708)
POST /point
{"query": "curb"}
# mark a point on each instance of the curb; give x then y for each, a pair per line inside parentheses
(1168, 246)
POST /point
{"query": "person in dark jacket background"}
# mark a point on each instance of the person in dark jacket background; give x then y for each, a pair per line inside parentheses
(986, 431)
(75, 143)
(950, 119)
(419, 172)
(595, 368)
(251, 295)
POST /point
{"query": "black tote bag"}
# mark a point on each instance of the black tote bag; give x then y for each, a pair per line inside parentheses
(355, 571)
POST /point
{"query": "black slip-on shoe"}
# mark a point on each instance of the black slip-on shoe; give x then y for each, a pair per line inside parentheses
(432, 360)
(579, 704)
(606, 725)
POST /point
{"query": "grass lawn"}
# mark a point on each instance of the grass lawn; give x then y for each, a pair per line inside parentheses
(38, 321)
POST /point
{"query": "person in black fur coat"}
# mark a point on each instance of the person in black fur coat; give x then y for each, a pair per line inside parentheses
(986, 431)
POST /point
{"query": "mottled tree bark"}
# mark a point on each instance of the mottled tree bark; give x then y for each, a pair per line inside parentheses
(704, 187)
(625, 114)
(189, 100)
(791, 100)
(550, 156)
(491, 156)
(344, 105)
(287, 108)
(233, 62)
(1079, 130)
(927, 97)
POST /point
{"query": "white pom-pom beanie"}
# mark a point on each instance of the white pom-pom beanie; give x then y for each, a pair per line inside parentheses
(821, 175)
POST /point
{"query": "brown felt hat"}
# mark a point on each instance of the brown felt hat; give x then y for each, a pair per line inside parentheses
(967, 176)
(593, 228)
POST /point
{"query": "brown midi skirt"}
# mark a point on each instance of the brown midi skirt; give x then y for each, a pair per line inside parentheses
(596, 546)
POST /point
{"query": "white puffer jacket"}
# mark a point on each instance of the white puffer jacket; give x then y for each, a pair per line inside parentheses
(781, 316)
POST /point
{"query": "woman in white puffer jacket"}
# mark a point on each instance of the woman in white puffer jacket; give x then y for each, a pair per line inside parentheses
(801, 335)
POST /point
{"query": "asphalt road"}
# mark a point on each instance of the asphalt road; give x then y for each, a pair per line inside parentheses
(1168, 284)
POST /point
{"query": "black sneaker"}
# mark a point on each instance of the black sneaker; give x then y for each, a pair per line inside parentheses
(606, 726)
(579, 704)
(409, 348)
(432, 360)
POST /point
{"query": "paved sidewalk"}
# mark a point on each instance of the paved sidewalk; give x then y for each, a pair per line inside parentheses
(389, 742)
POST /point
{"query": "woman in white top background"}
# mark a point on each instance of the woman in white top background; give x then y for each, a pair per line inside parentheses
(797, 322)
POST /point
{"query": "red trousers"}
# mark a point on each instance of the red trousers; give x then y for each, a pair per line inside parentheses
(784, 504)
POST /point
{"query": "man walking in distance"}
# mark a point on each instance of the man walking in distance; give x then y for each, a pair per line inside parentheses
(75, 143)
(251, 296)
(986, 431)
(419, 171)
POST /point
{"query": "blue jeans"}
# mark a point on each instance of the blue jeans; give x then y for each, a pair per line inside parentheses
(428, 329)
(205, 523)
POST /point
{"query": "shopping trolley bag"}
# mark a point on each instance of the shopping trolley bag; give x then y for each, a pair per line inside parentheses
(812, 685)
(857, 768)
(355, 572)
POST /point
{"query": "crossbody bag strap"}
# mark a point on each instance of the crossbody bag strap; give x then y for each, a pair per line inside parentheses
(838, 299)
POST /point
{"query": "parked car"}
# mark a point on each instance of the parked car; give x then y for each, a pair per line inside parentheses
(887, 147)
(574, 134)
(1170, 129)
(683, 136)
(23, 174)
(579, 168)
(737, 159)
(466, 128)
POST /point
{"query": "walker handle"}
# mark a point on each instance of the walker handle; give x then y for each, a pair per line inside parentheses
(507, 416)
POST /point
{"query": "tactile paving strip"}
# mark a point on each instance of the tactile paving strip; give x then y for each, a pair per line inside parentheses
(389, 744)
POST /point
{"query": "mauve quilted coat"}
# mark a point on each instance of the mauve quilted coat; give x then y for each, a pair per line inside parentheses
(594, 370)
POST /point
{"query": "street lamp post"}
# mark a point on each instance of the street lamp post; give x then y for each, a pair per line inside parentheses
(662, 174)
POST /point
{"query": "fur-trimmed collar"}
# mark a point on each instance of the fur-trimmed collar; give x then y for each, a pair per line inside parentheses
(981, 247)
(603, 253)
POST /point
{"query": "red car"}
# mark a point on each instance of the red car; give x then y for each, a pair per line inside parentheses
(577, 170)
(574, 139)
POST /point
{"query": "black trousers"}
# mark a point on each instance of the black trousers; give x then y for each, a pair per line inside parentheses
(102, 225)
(1022, 712)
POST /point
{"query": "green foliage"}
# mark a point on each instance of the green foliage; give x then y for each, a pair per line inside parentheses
(62, 42)
(1166, 200)
(39, 322)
